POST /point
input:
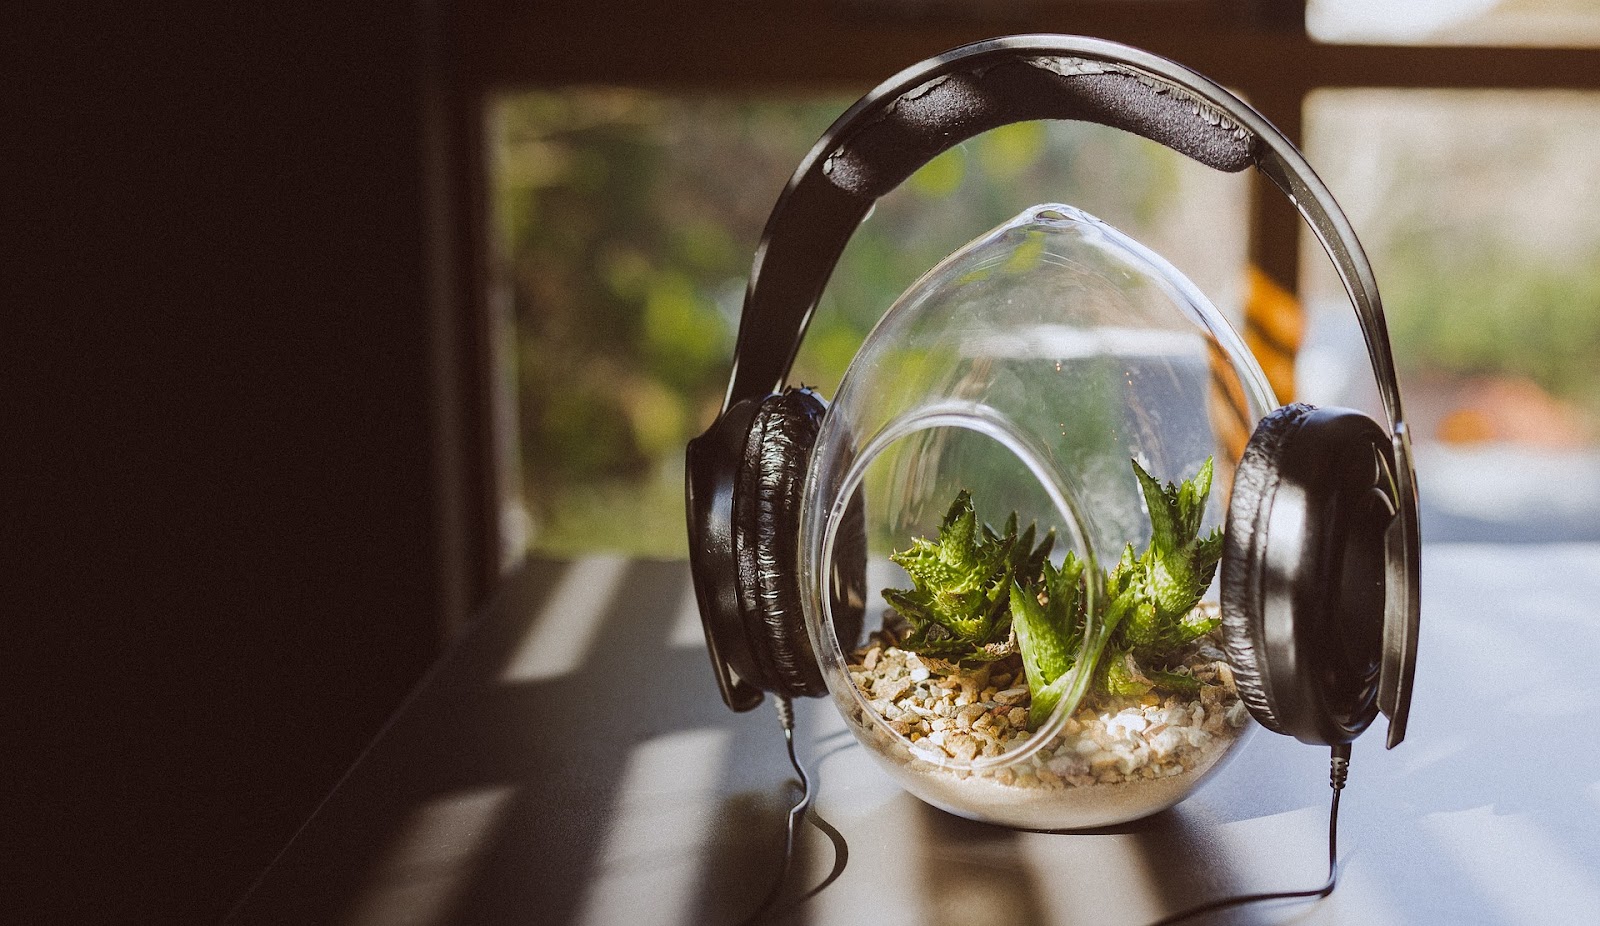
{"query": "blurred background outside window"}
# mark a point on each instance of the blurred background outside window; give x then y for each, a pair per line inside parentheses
(626, 220)
(1569, 23)
(1481, 213)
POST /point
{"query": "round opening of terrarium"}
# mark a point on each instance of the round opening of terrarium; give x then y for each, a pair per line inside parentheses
(960, 517)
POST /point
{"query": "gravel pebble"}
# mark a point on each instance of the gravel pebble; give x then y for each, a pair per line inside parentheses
(947, 715)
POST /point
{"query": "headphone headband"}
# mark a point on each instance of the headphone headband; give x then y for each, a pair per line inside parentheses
(939, 103)
(935, 105)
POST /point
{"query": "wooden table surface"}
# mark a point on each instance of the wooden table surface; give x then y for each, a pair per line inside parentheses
(569, 762)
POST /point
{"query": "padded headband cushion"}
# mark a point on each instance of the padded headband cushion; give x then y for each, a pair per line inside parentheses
(947, 110)
(1303, 608)
(766, 539)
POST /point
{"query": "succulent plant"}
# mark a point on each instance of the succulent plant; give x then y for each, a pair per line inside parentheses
(978, 595)
(959, 604)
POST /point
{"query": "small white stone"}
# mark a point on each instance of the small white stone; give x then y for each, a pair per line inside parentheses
(1128, 723)
(1011, 696)
(891, 689)
(962, 745)
(1167, 742)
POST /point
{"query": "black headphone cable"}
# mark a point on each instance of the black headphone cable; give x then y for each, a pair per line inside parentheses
(1338, 771)
(1338, 774)
(796, 813)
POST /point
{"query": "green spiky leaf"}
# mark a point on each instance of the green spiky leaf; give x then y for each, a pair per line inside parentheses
(959, 605)
(1124, 678)
(1173, 681)
(979, 594)
(1179, 564)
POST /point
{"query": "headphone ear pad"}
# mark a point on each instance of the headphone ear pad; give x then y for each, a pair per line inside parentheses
(766, 540)
(1303, 574)
(1241, 630)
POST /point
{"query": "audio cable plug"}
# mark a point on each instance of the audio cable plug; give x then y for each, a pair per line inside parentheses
(1338, 773)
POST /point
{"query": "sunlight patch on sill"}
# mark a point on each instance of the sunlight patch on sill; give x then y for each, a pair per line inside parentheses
(560, 637)
(652, 863)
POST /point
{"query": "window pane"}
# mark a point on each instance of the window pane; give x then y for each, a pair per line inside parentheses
(627, 222)
(1478, 211)
(1551, 23)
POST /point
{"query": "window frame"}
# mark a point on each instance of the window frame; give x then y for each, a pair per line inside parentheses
(1259, 48)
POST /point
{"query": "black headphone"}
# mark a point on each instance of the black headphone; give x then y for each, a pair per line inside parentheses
(1320, 565)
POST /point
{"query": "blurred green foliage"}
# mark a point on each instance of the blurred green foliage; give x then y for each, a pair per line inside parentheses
(627, 223)
(1478, 209)
(1460, 307)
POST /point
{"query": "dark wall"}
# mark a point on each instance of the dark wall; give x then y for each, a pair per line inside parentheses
(224, 539)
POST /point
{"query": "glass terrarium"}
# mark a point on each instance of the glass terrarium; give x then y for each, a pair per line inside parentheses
(1036, 446)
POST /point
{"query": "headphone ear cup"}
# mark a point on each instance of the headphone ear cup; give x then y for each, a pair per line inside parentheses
(1240, 570)
(1303, 572)
(766, 540)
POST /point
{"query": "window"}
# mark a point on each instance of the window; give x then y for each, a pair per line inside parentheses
(628, 220)
(1455, 22)
(1477, 209)
(631, 180)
